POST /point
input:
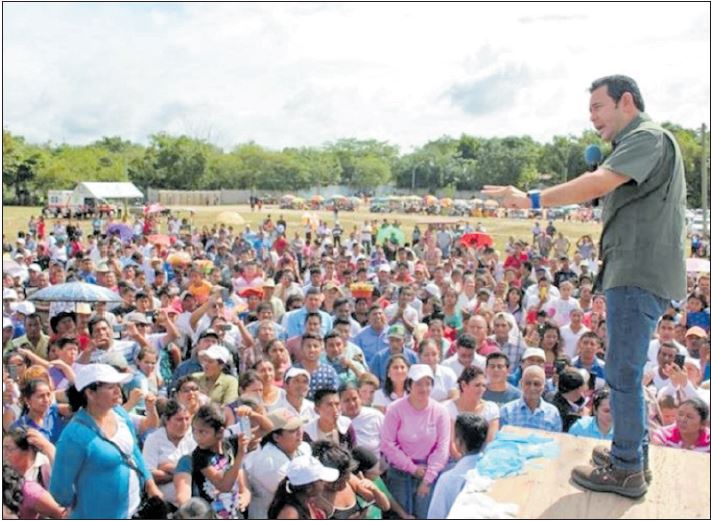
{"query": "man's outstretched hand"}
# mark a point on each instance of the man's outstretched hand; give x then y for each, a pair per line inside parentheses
(509, 196)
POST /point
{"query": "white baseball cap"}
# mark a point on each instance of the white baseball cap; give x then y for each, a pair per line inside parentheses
(384, 267)
(533, 351)
(9, 294)
(433, 290)
(217, 352)
(6, 322)
(35, 267)
(304, 470)
(91, 373)
(24, 307)
(296, 371)
(419, 371)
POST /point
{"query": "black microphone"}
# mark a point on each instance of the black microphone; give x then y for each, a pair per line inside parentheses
(593, 157)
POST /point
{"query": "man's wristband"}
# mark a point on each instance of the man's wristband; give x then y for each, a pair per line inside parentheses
(535, 198)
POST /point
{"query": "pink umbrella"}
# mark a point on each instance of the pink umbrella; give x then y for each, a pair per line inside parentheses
(153, 208)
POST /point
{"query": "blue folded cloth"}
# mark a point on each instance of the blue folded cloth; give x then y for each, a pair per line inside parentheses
(508, 453)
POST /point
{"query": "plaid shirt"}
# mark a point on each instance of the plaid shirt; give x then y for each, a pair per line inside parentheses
(545, 417)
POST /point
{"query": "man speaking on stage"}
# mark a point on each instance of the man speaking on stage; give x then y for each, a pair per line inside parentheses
(642, 251)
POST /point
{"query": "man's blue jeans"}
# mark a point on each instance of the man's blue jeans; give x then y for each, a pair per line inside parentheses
(632, 315)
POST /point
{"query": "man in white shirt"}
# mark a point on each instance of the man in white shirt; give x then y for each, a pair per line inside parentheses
(572, 332)
(366, 421)
(660, 371)
(296, 387)
(665, 333)
(465, 356)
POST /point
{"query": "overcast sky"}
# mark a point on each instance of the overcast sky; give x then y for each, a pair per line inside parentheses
(304, 74)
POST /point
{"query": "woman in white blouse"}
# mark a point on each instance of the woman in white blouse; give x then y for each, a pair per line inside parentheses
(165, 446)
(472, 385)
(394, 385)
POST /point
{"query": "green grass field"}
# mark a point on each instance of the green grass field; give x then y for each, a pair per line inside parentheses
(16, 218)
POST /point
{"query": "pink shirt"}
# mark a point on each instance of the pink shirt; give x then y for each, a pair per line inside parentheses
(410, 435)
(31, 492)
(670, 436)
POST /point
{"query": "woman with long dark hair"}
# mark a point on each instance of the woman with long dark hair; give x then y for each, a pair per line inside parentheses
(300, 493)
(99, 471)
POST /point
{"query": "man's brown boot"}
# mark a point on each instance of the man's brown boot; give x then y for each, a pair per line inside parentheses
(601, 458)
(610, 479)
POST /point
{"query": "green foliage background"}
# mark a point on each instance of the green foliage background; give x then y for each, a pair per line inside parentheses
(186, 163)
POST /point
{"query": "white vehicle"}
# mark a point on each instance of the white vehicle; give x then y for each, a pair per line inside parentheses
(59, 202)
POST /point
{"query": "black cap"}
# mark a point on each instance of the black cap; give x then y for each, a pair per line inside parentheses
(59, 316)
(208, 332)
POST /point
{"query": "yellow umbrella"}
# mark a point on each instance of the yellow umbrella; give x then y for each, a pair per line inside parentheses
(446, 202)
(429, 200)
(230, 218)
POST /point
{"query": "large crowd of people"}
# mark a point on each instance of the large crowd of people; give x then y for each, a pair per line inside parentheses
(306, 374)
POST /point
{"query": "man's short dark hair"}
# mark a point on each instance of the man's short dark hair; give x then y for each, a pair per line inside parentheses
(471, 431)
(309, 336)
(496, 356)
(466, 341)
(617, 85)
(320, 394)
(311, 315)
(341, 322)
(92, 324)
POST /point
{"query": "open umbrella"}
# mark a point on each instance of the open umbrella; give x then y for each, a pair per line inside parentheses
(153, 208)
(391, 233)
(491, 204)
(159, 240)
(230, 218)
(477, 239)
(698, 265)
(287, 197)
(317, 199)
(123, 230)
(446, 202)
(75, 292)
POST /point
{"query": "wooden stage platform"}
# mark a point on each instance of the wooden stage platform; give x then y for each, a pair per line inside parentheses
(680, 487)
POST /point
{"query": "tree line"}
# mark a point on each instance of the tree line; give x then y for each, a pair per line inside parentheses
(187, 163)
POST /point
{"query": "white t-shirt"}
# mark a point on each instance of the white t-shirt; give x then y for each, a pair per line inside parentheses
(380, 400)
(307, 411)
(562, 309)
(453, 363)
(653, 350)
(445, 381)
(158, 449)
(410, 314)
(368, 426)
(124, 439)
(570, 339)
(490, 412)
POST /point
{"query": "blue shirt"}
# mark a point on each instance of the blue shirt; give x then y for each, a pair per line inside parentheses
(325, 377)
(597, 368)
(52, 424)
(296, 322)
(379, 363)
(587, 427)
(371, 342)
(546, 417)
(449, 485)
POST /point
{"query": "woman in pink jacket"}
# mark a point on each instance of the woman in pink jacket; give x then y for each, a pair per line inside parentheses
(415, 442)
